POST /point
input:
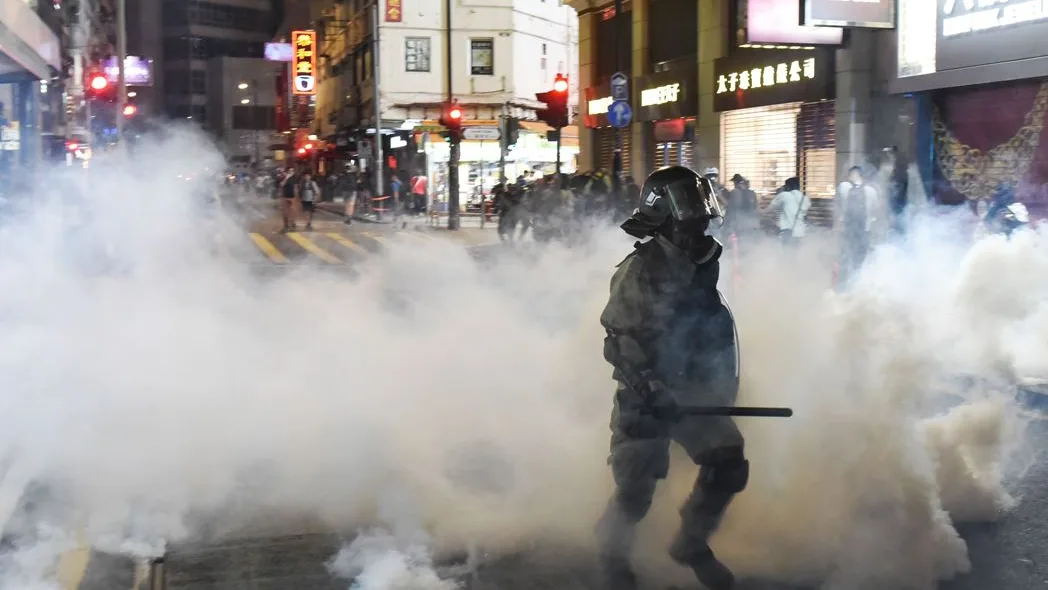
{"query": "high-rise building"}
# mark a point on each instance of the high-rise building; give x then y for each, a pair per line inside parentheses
(181, 36)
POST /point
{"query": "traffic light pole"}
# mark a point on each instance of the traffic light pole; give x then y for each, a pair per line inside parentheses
(616, 165)
(558, 155)
(121, 59)
(453, 156)
(376, 99)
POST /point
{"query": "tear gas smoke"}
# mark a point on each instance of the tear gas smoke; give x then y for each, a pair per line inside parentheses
(155, 382)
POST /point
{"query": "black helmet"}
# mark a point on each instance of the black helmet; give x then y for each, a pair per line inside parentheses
(676, 193)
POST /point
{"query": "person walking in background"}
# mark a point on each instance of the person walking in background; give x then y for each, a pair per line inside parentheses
(792, 206)
(856, 210)
(309, 194)
(288, 193)
(419, 184)
(741, 213)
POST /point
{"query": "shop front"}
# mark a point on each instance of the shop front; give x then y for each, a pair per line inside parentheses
(777, 118)
(479, 151)
(667, 104)
(596, 100)
(979, 75)
(29, 54)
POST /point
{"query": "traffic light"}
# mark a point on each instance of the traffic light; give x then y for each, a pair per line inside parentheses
(451, 119)
(130, 110)
(98, 86)
(556, 112)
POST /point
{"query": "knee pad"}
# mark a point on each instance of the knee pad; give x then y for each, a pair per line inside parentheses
(726, 477)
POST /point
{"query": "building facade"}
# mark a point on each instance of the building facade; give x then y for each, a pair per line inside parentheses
(502, 52)
(30, 64)
(976, 75)
(182, 36)
(241, 101)
(738, 86)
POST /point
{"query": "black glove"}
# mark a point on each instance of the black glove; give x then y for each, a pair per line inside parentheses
(658, 402)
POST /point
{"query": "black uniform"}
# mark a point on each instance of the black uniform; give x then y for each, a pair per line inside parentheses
(672, 341)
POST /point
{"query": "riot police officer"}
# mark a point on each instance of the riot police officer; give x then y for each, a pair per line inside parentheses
(672, 341)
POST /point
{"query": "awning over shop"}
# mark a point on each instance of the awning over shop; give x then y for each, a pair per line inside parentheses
(27, 46)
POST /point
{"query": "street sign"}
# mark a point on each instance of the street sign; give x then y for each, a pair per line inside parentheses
(481, 133)
(620, 113)
(620, 86)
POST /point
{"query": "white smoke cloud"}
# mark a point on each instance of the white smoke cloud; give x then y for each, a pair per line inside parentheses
(170, 391)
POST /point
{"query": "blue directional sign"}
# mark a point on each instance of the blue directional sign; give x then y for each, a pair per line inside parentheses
(620, 114)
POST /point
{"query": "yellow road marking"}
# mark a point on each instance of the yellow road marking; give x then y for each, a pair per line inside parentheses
(418, 236)
(268, 248)
(378, 238)
(341, 239)
(72, 565)
(313, 249)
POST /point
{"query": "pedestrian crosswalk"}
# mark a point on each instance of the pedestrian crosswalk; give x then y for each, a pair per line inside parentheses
(330, 247)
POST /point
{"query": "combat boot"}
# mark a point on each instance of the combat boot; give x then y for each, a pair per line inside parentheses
(713, 574)
(616, 574)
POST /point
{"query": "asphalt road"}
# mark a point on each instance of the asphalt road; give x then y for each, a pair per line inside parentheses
(1007, 555)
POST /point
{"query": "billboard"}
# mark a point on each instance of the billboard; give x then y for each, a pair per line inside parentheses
(942, 35)
(777, 22)
(979, 33)
(304, 63)
(868, 14)
(279, 52)
(138, 71)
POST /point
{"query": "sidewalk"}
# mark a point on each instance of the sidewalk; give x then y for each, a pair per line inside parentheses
(339, 209)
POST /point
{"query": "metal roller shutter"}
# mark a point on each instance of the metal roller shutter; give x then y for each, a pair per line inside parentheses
(606, 149)
(767, 145)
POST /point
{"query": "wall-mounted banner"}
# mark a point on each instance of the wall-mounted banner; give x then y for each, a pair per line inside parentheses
(868, 14)
(394, 11)
(304, 64)
(979, 33)
(761, 78)
(777, 22)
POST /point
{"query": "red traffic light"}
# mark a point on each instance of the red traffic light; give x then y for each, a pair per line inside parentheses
(99, 82)
(455, 113)
(130, 110)
(560, 84)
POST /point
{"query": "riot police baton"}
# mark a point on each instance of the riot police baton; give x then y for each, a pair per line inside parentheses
(738, 411)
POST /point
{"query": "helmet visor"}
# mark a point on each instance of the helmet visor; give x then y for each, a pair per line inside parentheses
(693, 199)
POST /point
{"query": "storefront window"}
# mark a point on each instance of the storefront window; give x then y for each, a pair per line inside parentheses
(767, 145)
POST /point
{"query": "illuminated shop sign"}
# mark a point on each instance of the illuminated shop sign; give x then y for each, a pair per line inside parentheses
(660, 95)
(871, 14)
(304, 64)
(598, 106)
(760, 78)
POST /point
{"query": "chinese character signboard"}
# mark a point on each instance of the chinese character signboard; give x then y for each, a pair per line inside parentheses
(394, 11)
(304, 62)
(666, 95)
(762, 78)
